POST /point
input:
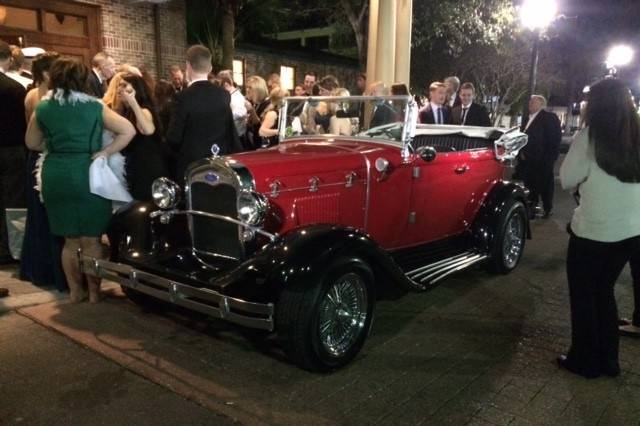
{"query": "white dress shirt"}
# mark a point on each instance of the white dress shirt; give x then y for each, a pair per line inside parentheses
(15, 75)
(239, 111)
(435, 109)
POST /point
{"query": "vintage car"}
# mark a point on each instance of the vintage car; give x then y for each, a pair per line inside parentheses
(300, 238)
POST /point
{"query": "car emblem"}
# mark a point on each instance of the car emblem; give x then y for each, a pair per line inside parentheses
(215, 150)
(211, 177)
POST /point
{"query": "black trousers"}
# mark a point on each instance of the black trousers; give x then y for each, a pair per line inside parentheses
(634, 263)
(539, 179)
(592, 270)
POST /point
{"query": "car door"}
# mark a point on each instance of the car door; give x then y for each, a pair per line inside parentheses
(446, 192)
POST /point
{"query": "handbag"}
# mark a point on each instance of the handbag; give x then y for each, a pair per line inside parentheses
(104, 182)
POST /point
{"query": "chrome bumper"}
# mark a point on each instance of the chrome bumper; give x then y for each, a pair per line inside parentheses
(204, 300)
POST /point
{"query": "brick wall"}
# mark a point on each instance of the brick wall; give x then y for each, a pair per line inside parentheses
(128, 33)
(262, 62)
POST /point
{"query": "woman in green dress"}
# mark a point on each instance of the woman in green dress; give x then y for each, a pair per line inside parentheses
(68, 127)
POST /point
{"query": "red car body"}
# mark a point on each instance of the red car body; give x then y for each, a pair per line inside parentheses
(299, 238)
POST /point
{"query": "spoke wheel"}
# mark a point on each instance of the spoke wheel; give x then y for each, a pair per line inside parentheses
(342, 314)
(513, 241)
(509, 238)
(323, 324)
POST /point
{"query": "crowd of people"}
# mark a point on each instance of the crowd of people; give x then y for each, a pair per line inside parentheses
(58, 115)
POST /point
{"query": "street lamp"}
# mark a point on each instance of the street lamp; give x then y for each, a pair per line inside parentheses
(618, 56)
(536, 15)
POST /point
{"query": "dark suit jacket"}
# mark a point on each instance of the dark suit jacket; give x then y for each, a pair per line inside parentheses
(457, 102)
(383, 113)
(201, 116)
(12, 121)
(476, 116)
(426, 115)
(545, 135)
(95, 87)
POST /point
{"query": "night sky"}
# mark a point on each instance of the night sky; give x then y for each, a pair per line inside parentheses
(591, 27)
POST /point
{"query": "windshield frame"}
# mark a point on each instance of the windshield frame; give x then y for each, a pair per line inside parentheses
(410, 116)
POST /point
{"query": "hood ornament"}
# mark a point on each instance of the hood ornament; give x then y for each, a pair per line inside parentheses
(215, 150)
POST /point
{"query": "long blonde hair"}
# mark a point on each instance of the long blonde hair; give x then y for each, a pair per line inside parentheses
(111, 95)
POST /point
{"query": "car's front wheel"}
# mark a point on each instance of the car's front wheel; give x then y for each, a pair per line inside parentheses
(324, 325)
(510, 237)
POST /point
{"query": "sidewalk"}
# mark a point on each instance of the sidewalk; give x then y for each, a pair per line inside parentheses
(477, 350)
(23, 293)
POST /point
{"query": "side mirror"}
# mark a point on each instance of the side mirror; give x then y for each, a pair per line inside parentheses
(427, 153)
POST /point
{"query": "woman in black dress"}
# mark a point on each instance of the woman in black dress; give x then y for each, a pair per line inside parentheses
(145, 156)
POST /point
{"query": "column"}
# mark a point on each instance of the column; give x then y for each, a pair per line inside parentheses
(373, 42)
(404, 17)
(386, 43)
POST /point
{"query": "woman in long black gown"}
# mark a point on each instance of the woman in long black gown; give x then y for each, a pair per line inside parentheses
(40, 256)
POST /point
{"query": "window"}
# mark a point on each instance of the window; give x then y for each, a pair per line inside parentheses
(238, 71)
(18, 17)
(59, 23)
(287, 77)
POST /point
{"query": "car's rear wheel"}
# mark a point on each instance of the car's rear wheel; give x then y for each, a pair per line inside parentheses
(510, 238)
(324, 325)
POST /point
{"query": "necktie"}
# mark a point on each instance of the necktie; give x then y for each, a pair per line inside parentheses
(440, 119)
(463, 119)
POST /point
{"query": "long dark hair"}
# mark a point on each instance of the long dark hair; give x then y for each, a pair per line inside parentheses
(41, 64)
(614, 128)
(145, 99)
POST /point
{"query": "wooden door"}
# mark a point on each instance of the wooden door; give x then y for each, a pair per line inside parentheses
(69, 28)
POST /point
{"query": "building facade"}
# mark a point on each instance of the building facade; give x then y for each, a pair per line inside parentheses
(151, 34)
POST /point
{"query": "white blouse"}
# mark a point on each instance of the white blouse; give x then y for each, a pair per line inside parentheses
(609, 209)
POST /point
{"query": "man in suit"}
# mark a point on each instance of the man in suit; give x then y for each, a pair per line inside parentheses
(435, 112)
(12, 149)
(469, 113)
(103, 67)
(537, 158)
(452, 84)
(383, 112)
(177, 78)
(201, 115)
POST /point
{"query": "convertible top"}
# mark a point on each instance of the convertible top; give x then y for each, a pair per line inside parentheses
(490, 133)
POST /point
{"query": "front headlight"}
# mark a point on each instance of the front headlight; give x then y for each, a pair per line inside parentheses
(252, 208)
(166, 193)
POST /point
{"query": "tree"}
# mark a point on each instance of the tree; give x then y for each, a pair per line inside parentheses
(356, 13)
(444, 29)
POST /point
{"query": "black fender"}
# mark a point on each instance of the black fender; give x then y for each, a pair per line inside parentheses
(132, 229)
(484, 228)
(301, 256)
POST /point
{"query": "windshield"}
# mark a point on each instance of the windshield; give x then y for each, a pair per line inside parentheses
(354, 116)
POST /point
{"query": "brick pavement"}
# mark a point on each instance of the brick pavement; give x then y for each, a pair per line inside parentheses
(478, 349)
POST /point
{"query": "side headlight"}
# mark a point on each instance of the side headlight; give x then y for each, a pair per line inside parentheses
(252, 208)
(166, 193)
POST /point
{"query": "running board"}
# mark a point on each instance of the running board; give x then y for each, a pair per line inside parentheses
(433, 273)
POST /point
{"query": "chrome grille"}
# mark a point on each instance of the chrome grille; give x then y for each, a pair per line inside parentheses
(213, 188)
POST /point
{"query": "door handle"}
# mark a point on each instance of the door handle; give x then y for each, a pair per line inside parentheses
(461, 169)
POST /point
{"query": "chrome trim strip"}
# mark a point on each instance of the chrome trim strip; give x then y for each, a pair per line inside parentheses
(282, 190)
(459, 268)
(367, 197)
(260, 231)
(203, 300)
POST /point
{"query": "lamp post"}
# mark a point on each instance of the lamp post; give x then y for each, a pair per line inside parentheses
(618, 56)
(535, 15)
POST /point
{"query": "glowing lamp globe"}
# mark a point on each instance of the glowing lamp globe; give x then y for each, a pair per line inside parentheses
(538, 14)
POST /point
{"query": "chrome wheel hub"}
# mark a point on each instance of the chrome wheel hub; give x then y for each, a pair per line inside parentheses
(513, 240)
(343, 313)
